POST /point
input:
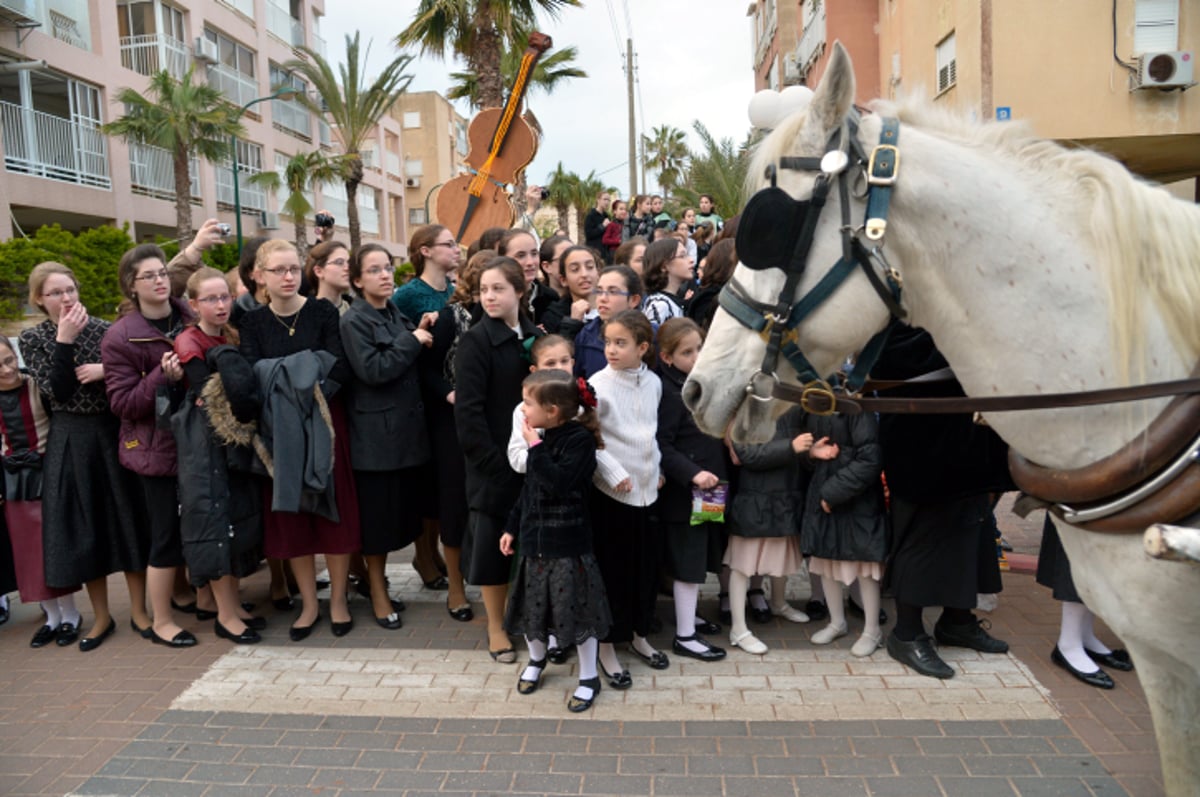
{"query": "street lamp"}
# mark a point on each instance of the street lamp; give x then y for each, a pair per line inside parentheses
(280, 93)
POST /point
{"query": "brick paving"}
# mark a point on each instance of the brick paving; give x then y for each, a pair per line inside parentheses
(423, 710)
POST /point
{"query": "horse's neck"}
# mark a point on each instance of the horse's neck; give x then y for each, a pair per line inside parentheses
(1001, 273)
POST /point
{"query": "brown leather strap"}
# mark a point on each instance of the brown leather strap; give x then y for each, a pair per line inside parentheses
(1176, 501)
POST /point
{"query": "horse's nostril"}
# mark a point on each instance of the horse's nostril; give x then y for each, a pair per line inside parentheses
(691, 394)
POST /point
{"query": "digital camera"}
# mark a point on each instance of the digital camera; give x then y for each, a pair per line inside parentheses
(324, 220)
(224, 229)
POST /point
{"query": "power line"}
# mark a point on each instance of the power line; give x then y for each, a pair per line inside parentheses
(612, 19)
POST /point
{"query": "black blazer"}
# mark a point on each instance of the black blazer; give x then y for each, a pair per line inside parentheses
(490, 365)
(685, 449)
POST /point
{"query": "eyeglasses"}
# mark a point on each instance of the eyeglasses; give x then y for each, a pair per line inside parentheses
(224, 298)
(153, 276)
(61, 292)
(448, 244)
(611, 292)
(375, 271)
(341, 261)
(281, 271)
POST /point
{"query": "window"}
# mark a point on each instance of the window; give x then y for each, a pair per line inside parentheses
(413, 167)
(233, 55)
(172, 23)
(947, 69)
(412, 119)
(460, 137)
(417, 216)
(1156, 26)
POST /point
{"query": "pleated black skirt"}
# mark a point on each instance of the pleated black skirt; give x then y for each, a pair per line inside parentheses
(1053, 567)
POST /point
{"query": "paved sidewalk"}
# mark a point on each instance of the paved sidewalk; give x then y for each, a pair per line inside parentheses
(424, 710)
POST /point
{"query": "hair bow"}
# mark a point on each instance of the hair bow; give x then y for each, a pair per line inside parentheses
(586, 393)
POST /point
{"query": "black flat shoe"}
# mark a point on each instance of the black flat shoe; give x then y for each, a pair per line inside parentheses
(321, 584)
(920, 655)
(391, 622)
(710, 653)
(560, 655)
(437, 583)
(144, 633)
(577, 705)
(257, 623)
(341, 629)
(300, 633)
(1099, 679)
(759, 616)
(657, 661)
(186, 608)
(506, 656)
(463, 614)
(1116, 660)
(247, 637)
(528, 687)
(247, 606)
(67, 634)
(816, 611)
(283, 604)
(184, 639)
(724, 614)
(705, 627)
(397, 605)
(44, 636)
(205, 615)
(971, 635)
(89, 643)
(621, 681)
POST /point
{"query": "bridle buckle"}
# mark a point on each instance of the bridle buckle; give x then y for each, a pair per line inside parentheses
(759, 390)
(820, 391)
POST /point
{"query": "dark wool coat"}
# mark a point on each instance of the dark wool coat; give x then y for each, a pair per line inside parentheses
(550, 519)
(132, 352)
(384, 407)
(490, 366)
(769, 501)
(685, 449)
(857, 528)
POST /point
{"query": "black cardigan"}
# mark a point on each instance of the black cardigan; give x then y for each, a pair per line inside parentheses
(550, 519)
(685, 449)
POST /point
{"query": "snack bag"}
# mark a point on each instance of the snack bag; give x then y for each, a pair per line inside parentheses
(709, 504)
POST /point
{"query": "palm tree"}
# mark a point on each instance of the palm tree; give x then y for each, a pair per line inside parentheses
(665, 152)
(584, 198)
(304, 171)
(183, 118)
(551, 70)
(562, 184)
(478, 31)
(720, 170)
(352, 106)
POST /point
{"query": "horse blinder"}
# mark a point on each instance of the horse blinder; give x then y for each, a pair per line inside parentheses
(769, 229)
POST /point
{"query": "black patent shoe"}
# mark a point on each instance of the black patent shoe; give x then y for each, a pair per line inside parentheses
(257, 623)
(705, 627)
(341, 629)
(144, 633)
(526, 686)
(655, 661)
(577, 705)
(184, 639)
(392, 622)
(463, 614)
(560, 655)
(724, 614)
(283, 604)
(67, 634)
(620, 681)
(710, 653)
(438, 583)
(247, 637)
(300, 633)
(920, 655)
(971, 635)
(1116, 660)
(759, 616)
(1099, 679)
(44, 636)
(816, 611)
(89, 643)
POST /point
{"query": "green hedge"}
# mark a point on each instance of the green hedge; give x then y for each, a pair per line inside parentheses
(92, 254)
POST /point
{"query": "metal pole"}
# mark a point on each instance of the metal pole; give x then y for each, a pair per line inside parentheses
(633, 162)
(237, 194)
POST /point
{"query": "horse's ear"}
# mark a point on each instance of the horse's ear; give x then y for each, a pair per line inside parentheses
(835, 94)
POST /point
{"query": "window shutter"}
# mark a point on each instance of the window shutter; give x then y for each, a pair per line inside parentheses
(1156, 26)
(947, 65)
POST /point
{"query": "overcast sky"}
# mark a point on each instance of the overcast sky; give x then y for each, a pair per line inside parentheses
(693, 62)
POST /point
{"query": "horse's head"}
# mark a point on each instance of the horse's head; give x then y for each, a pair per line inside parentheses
(731, 381)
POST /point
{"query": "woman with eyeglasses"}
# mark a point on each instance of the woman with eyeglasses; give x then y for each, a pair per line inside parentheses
(143, 377)
(328, 273)
(619, 288)
(389, 440)
(668, 273)
(287, 324)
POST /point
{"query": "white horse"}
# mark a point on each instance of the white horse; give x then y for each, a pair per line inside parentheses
(1037, 269)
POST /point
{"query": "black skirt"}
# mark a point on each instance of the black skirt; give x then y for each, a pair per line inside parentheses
(160, 503)
(564, 597)
(695, 551)
(389, 508)
(1053, 567)
(90, 526)
(943, 554)
(450, 474)
(483, 564)
(625, 545)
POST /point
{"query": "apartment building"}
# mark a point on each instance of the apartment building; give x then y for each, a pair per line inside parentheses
(435, 144)
(62, 63)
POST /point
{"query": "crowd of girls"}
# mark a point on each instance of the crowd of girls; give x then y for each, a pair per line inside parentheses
(522, 404)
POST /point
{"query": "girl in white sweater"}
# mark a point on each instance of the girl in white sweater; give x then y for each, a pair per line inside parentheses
(628, 393)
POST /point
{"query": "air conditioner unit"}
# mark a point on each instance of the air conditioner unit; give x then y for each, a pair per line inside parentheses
(1168, 70)
(206, 50)
(269, 221)
(412, 182)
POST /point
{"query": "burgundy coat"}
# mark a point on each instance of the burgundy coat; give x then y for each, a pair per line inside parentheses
(132, 352)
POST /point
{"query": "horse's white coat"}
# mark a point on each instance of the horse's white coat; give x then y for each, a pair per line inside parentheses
(1002, 266)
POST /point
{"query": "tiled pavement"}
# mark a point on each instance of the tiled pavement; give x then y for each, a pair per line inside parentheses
(423, 710)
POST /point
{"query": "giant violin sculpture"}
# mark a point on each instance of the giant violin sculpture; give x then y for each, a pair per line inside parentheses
(501, 145)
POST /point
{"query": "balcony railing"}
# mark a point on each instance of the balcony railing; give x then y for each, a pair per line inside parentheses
(292, 116)
(392, 160)
(368, 220)
(244, 6)
(237, 88)
(152, 171)
(252, 197)
(281, 23)
(334, 203)
(324, 133)
(149, 55)
(53, 147)
(812, 41)
(318, 45)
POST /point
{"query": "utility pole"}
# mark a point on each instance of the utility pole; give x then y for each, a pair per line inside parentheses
(633, 162)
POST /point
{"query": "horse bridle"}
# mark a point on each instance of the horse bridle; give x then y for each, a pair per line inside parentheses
(776, 323)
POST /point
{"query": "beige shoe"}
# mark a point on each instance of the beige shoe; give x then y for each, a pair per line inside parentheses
(748, 642)
(829, 633)
(790, 613)
(867, 644)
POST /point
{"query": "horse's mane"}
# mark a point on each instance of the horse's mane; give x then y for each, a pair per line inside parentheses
(1147, 241)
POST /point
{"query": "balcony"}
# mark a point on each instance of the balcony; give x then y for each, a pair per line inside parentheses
(283, 25)
(318, 45)
(149, 55)
(252, 197)
(812, 41)
(245, 7)
(392, 160)
(292, 117)
(152, 171)
(52, 147)
(237, 88)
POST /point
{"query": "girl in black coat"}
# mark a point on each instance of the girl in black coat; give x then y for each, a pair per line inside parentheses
(490, 366)
(559, 589)
(690, 459)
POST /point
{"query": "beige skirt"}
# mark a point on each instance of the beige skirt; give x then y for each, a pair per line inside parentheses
(764, 556)
(845, 572)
